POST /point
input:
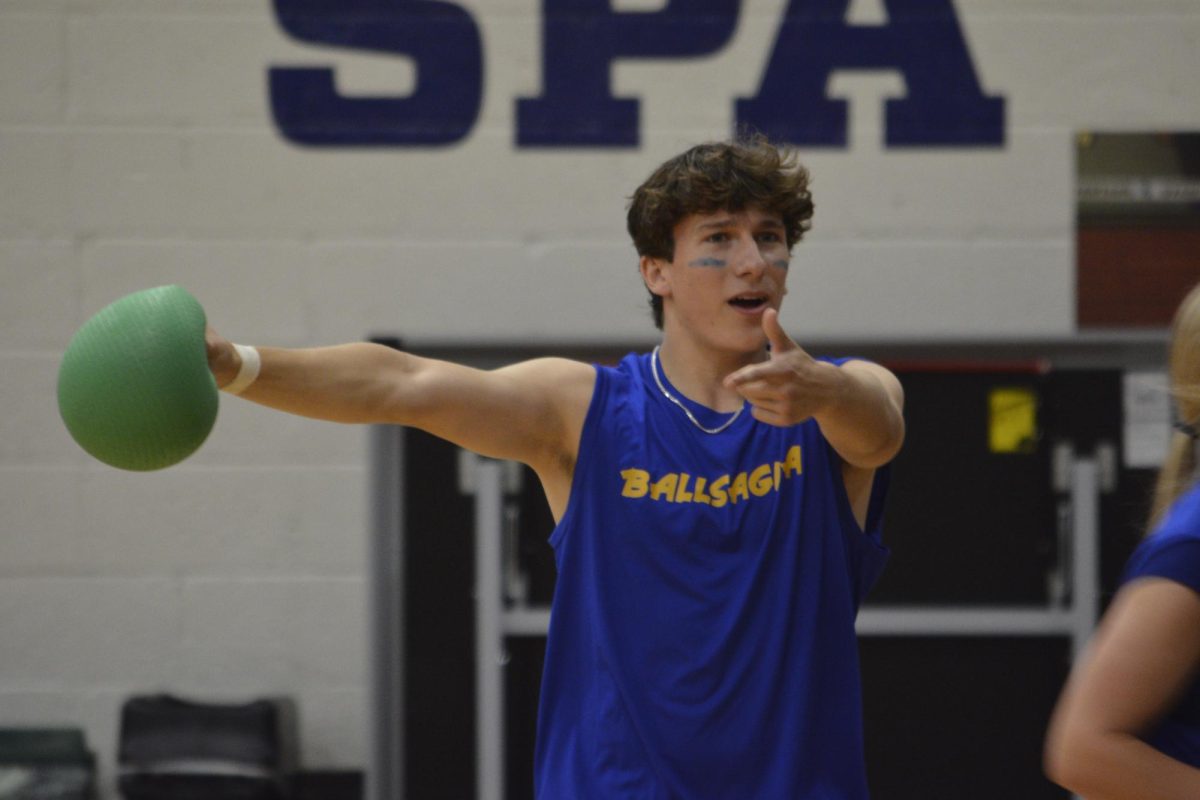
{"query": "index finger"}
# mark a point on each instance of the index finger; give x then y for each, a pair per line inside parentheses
(754, 372)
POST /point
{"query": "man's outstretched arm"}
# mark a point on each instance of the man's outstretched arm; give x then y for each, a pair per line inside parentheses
(530, 412)
(859, 405)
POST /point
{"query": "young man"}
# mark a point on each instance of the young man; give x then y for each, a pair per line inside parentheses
(717, 501)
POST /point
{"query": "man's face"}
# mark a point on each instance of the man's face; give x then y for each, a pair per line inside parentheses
(728, 268)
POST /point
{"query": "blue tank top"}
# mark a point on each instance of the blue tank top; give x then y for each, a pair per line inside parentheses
(1172, 551)
(702, 642)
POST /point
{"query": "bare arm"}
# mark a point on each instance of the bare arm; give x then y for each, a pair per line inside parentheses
(1144, 655)
(530, 412)
(858, 405)
(865, 424)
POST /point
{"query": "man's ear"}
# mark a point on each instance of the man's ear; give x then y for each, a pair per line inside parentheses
(654, 273)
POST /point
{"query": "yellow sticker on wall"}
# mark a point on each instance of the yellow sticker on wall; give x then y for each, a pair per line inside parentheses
(1012, 420)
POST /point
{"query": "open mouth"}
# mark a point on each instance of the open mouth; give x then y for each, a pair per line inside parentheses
(749, 302)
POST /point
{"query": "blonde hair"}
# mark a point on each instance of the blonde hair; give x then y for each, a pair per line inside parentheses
(1178, 471)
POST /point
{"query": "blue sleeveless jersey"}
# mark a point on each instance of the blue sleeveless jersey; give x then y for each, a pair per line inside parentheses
(702, 642)
(1172, 551)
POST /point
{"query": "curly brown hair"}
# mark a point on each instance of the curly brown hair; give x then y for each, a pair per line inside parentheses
(746, 172)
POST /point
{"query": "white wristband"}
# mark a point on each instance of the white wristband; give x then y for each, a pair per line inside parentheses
(251, 364)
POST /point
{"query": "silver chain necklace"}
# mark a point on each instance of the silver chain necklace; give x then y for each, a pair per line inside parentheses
(654, 368)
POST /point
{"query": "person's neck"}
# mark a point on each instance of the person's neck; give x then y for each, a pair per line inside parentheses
(698, 372)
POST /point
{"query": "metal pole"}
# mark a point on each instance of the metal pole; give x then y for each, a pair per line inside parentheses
(1085, 552)
(489, 634)
(385, 772)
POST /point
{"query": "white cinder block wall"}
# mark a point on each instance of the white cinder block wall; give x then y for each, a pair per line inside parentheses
(137, 149)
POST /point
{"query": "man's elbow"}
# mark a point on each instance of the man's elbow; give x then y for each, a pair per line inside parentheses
(884, 451)
(1069, 759)
(1055, 764)
(894, 443)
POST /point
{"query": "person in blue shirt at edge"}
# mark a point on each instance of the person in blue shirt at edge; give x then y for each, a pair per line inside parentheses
(1127, 724)
(717, 500)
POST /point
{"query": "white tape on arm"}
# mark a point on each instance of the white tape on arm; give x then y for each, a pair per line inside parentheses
(251, 364)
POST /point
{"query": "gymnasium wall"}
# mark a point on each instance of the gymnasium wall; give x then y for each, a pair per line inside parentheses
(138, 147)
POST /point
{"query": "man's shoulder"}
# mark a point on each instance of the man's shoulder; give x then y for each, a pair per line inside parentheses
(560, 378)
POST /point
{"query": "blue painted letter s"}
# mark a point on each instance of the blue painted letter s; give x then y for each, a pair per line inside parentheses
(440, 38)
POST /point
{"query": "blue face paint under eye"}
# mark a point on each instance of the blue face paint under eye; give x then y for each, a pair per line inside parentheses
(781, 263)
(707, 262)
